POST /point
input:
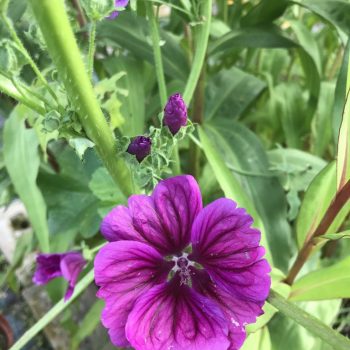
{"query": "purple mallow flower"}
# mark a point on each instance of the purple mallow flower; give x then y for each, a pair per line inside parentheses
(67, 265)
(140, 146)
(178, 276)
(118, 4)
(175, 113)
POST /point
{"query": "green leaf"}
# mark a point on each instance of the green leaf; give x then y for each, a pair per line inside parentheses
(133, 105)
(258, 341)
(72, 207)
(231, 92)
(104, 188)
(336, 12)
(230, 185)
(343, 152)
(296, 169)
(326, 283)
(80, 145)
(322, 190)
(129, 33)
(264, 12)
(243, 153)
(88, 324)
(309, 322)
(322, 122)
(336, 236)
(265, 37)
(310, 58)
(22, 162)
(340, 94)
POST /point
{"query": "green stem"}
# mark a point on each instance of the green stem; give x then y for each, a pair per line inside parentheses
(198, 117)
(91, 53)
(9, 25)
(53, 313)
(153, 25)
(309, 322)
(201, 48)
(63, 49)
(9, 89)
(225, 10)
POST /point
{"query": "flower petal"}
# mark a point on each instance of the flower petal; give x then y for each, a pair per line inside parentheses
(228, 248)
(174, 316)
(71, 265)
(237, 310)
(124, 270)
(178, 201)
(47, 268)
(163, 220)
(121, 3)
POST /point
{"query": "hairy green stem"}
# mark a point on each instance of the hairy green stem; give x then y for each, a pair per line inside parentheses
(10, 89)
(9, 25)
(201, 42)
(309, 322)
(154, 30)
(53, 313)
(63, 49)
(91, 53)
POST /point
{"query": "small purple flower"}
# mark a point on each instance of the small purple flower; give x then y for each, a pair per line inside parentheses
(67, 265)
(175, 275)
(118, 4)
(175, 113)
(140, 146)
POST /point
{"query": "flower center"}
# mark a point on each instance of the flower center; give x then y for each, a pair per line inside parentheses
(182, 266)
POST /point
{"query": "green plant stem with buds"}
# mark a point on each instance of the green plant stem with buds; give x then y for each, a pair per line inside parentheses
(63, 49)
(53, 312)
(92, 47)
(154, 30)
(9, 25)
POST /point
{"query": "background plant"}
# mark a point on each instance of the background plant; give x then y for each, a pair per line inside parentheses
(266, 84)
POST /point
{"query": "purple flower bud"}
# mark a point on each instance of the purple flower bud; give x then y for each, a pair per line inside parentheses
(67, 265)
(140, 146)
(175, 113)
(118, 3)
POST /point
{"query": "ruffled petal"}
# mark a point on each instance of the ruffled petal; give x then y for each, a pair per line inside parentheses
(228, 248)
(178, 201)
(176, 317)
(124, 270)
(163, 220)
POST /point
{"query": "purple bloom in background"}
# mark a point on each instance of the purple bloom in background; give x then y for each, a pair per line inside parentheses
(175, 113)
(140, 146)
(118, 3)
(67, 265)
(179, 276)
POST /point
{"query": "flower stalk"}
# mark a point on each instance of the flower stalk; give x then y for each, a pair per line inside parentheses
(63, 49)
(335, 207)
(154, 30)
